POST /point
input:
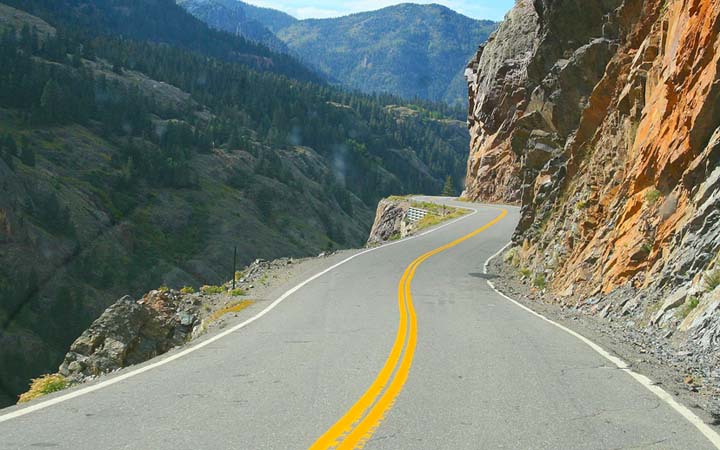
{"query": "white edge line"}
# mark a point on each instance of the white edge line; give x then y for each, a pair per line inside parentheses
(650, 385)
(96, 387)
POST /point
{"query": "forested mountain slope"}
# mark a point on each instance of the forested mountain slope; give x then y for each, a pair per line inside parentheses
(237, 18)
(410, 50)
(161, 21)
(126, 164)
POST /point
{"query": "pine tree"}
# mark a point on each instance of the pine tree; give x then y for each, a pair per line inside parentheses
(449, 188)
(51, 101)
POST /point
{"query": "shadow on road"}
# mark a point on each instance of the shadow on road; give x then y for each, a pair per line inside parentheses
(484, 276)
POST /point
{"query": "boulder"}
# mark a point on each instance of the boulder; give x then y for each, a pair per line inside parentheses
(130, 332)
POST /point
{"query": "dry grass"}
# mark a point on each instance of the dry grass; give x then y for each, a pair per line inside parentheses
(44, 385)
(711, 280)
(434, 219)
(231, 308)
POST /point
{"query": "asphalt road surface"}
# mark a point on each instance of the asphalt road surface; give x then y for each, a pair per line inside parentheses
(402, 347)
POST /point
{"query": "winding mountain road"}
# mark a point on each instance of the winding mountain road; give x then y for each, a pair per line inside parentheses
(402, 347)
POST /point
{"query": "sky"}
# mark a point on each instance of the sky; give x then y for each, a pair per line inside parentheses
(305, 9)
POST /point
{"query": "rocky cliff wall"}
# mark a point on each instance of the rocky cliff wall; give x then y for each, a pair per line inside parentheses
(602, 119)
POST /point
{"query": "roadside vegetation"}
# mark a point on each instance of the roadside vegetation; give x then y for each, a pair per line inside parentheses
(436, 214)
(212, 289)
(434, 219)
(44, 385)
(233, 307)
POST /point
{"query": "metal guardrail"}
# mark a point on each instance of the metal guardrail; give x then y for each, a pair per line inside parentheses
(415, 214)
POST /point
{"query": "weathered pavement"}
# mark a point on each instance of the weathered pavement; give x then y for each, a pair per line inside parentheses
(484, 373)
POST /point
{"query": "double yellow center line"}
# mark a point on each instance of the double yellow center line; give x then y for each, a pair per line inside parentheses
(359, 423)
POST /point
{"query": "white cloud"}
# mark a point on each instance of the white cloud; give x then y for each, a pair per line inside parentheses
(311, 12)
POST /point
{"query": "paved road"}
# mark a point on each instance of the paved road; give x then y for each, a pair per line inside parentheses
(472, 371)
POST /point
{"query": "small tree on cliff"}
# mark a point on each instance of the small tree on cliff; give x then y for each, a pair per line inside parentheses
(449, 188)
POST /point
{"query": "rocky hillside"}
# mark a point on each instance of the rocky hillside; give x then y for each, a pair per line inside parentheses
(126, 164)
(409, 50)
(602, 118)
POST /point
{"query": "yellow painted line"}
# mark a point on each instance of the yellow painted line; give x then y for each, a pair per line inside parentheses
(332, 436)
(353, 430)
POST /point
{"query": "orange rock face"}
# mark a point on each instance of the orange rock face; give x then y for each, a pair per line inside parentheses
(610, 140)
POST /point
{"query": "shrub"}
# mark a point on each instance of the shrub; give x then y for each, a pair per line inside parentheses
(691, 304)
(539, 281)
(512, 257)
(646, 247)
(239, 275)
(44, 385)
(237, 292)
(187, 290)
(525, 272)
(652, 196)
(712, 280)
(212, 289)
(163, 288)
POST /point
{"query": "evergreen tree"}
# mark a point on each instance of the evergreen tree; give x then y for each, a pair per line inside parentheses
(449, 188)
(51, 102)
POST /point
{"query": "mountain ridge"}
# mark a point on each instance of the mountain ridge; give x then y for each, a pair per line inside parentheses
(409, 49)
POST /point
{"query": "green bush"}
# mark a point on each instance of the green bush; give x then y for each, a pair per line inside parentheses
(44, 385)
(212, 289)
(647, 247)
(187, 290)
(652, 196)
(237, 292)
(539, 281)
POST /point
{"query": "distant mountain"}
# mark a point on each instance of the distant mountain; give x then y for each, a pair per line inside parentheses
(408, 50)
(238, 18)
(162, 21)
(273, 19)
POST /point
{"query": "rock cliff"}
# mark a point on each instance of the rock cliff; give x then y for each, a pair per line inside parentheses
(602, 119)
(388, 224)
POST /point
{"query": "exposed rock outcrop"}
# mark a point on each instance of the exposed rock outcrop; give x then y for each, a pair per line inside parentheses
(388, 220)
(133, 331)
(602, 118)
(130, 332)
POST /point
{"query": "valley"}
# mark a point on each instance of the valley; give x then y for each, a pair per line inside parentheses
(127, 164)
(222, 226)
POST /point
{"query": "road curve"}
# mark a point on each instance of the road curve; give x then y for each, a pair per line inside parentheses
(403, 347)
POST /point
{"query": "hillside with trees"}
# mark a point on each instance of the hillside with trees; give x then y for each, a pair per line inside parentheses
(414, 51)
(127, 163)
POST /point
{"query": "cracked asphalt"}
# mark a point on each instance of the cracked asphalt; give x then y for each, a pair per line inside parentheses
(486, 374)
